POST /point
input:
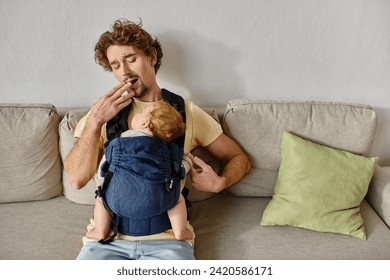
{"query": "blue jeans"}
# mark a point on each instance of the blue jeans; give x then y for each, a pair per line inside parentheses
(137, 250)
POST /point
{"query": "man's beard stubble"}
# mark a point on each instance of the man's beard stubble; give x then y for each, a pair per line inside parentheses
(142, 91)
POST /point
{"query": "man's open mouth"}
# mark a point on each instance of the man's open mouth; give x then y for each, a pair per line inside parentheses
(130, 80)
(133, 81)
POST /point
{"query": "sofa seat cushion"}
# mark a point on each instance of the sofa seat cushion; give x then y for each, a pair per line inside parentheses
(30, 166)
(257, 126)
(232, 231)
(41, 230)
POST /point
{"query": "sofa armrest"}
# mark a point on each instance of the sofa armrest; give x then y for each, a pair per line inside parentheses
(378, 195)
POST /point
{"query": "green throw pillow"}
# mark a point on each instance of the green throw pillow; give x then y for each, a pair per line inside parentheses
(319, 188)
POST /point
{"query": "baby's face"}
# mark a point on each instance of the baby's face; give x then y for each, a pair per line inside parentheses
(141, 119)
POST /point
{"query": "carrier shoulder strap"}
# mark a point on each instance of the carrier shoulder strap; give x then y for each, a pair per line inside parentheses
(178, 103)
(118, 124)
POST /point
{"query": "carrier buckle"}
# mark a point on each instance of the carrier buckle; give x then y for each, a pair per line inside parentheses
(169, 185)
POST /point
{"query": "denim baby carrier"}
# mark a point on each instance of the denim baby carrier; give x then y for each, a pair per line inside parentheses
(141, 176)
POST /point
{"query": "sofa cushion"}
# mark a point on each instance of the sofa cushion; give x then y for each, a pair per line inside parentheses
(257, 126)
(43, 230)
(379, 193)
(319, 188)
(87, 194)
(227, 228)
(30, 168)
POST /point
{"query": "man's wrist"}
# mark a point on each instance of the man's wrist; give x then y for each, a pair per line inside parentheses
(93, 124)
(222, 184)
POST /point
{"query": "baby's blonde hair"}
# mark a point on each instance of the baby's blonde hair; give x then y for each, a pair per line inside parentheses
(165, 122)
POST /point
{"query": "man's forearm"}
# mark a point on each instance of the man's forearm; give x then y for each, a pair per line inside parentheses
(235, 169)
(237, 165)
(82, 161)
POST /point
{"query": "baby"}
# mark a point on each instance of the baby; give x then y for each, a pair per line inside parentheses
(159, 119)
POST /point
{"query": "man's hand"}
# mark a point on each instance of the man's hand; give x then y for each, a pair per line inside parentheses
(203, 177)
(236, 166)
(82, 161)
(110, 104)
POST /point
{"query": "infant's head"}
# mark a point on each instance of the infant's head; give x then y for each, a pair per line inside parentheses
(163, 121)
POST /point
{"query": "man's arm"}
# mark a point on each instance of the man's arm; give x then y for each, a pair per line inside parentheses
(237, 165)
(83, 160)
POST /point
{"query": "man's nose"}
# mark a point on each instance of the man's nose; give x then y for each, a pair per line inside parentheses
(126, 69)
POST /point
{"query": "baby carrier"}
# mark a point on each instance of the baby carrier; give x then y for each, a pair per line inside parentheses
(141, 176)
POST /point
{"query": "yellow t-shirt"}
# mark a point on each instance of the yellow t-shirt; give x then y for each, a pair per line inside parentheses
(201, 130)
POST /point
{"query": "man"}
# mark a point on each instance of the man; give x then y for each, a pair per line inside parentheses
(134, 58)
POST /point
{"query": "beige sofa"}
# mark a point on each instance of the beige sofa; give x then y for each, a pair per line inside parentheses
(42, 217)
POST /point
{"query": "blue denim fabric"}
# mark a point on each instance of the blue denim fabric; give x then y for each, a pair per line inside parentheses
(137, 250)
(141, 171)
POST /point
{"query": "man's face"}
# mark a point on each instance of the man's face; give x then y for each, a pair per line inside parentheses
(129, 64)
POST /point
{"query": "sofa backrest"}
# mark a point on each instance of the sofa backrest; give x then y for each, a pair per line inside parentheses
(30, 166)
(257, 126)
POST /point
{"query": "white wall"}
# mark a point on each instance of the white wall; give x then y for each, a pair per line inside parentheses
(214, 51)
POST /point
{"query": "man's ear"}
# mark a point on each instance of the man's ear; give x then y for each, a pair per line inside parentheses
(153, 57)
(146, 123)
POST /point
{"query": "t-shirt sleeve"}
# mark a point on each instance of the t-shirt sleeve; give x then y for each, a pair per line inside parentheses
(202, 129)
(80, 127)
